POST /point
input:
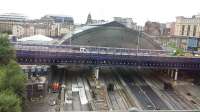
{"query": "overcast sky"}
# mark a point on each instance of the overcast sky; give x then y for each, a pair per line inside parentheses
(139, 10)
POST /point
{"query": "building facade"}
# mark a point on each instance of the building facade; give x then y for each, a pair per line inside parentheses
(152, 28)
(171, 27)
(128, 22)
(8, 20)
(188, 26)
(51, 26)
(53, 30)
(18, 30)
(59, 19)
(158, 29)
(139, 28)
(91, 21)
(58, 25)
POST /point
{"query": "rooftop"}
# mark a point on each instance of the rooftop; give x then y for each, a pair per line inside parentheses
(56, 15)
(14, 16)
(111, 34)
(36, 38)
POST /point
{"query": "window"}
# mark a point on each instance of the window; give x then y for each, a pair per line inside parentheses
(183, 28)
(194, 30)
(188, 30)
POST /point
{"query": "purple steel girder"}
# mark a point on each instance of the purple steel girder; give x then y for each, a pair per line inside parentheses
(45, 57)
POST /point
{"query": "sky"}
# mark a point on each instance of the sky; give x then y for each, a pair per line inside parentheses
(140, 10)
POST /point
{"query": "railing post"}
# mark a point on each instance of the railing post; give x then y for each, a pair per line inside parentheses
(176, 75)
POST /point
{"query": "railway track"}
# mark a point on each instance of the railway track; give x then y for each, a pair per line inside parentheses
(153, 97)
(145, 95)
(190, 93)
(99, 94)
(177, 101)
(122, 94)
(144, 101)
(112, 99)
(117, 97)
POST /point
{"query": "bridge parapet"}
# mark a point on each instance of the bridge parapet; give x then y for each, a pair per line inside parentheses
(88, 49)
(102, 56)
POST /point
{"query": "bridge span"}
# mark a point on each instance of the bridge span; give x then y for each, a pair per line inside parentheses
(101, 56)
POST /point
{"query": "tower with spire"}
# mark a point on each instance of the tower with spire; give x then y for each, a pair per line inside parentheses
(89, 19)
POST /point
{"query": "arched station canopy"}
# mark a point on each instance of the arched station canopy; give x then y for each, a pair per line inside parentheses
(112, 34)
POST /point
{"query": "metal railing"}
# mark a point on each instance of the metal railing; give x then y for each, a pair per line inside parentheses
(89, 49)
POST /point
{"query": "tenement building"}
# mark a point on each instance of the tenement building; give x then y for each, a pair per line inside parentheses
(49, 25)
(8, 20)
(128, 22)
(188, 26)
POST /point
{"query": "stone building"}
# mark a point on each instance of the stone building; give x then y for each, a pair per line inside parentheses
(152, 28)
(58, 25)
(158, 29)
(51, 26)
(36, 29)
(8, 20)
(62, 19)
(171, 27)
(188, 26)
(18, 30)
(128, 22)
(91, 21)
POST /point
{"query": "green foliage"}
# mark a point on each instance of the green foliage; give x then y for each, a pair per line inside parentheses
(2, 78)
(179, 52)
(9, 102)
(6, 50)
(172, 45)
(7, 32)
(12, 78)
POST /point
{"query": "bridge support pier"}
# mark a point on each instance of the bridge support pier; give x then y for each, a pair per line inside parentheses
(96, 72)
(172, 73)
(52, 72)
(176, 75)
(168, 71)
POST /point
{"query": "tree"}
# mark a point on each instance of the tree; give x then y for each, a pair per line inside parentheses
(6, 50)
(12, 79)
(179, 52)
(9, 102)
(7, 32)
(2, 78)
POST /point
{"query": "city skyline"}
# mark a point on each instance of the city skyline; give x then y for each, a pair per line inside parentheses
(141, 11)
